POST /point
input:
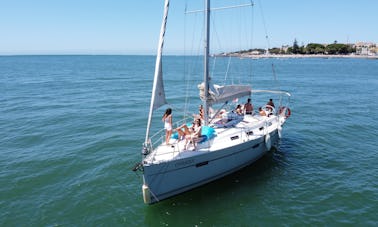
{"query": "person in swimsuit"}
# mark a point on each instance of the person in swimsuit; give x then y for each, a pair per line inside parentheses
(184, 131)
(195, 134)
(248, 108)
(167, 119)
(238, 110)
(262, 112)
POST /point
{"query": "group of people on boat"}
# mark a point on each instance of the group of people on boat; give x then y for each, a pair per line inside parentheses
(192, 133)
(247, 108)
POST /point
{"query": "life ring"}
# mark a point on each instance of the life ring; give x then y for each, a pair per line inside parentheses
(285, 110)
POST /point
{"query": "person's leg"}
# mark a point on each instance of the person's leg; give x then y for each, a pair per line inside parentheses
(181, 134)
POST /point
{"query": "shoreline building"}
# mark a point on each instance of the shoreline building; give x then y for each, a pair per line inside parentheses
(366, 48)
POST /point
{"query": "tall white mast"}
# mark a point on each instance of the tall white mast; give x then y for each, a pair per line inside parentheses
(206, 60)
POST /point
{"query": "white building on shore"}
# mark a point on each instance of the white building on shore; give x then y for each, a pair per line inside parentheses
(366, 48)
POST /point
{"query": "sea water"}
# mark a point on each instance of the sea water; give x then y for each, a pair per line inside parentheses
(71, 129)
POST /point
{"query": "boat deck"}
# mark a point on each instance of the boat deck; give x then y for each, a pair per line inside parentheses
(246, 128)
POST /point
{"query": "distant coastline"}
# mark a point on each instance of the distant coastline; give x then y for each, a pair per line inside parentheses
(312, 50)
(257, 56)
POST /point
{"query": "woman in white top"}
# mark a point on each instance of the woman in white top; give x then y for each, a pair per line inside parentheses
(167, 119)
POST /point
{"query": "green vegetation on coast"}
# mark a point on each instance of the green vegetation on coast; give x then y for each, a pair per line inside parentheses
(313, 49)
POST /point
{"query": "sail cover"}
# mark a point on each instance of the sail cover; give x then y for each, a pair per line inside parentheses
(158, 93)
(158, 89)
(221, 94)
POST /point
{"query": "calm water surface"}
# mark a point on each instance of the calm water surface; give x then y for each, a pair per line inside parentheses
(71, 129)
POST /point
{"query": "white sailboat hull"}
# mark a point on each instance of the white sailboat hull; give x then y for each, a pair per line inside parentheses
(167, 179)
(170, 167)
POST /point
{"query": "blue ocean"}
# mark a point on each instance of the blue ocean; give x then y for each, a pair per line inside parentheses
(72, 128)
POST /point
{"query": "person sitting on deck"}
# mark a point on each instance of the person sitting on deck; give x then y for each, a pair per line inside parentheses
(195, 135)
(262, 112)
(184, 131)
(238, 110)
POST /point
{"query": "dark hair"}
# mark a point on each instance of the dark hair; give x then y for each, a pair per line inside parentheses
(249, 100)
(168, 112)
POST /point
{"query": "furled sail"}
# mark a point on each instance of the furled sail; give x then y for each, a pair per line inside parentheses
(221, 94)
(158, 90)
(158, 93)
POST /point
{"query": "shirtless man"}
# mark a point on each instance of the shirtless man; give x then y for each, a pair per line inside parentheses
(248, 108)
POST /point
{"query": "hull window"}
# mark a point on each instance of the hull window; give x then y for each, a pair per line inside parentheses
(202, 164)
(234, 137)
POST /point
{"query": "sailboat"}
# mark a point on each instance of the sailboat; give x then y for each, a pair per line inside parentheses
(229, 141)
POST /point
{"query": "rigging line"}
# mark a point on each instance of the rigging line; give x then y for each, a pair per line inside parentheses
(264, 24)
(243, 31)
(251, 40)
(275, 76)
(228, 67)
(268, 42)
(189, 61)
(153, 194)
(215, 36)
(213, 68)
(218, 8)
(185, 60)
(215, 32)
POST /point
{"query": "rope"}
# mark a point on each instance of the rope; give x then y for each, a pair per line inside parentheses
(268, 43)
(264, 24)
(153, 194)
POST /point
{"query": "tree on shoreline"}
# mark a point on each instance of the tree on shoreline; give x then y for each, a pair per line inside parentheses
(296, 49)
(316, 48)
(311, 48)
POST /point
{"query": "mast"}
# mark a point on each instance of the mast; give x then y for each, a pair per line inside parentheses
(206, 60)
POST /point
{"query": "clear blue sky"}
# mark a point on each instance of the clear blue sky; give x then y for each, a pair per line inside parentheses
(132, 26)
